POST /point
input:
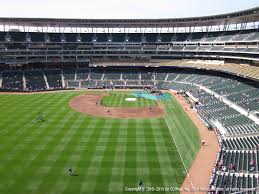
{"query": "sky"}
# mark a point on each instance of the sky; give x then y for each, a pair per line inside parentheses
(120, 9)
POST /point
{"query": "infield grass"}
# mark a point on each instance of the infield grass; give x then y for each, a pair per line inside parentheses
(106, 155)
(119, 100)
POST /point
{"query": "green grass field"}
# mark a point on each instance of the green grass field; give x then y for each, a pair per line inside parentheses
(106, 155)
(119, 100)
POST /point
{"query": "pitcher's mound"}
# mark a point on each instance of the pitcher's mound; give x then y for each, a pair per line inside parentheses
(90, 104)
(131, 99)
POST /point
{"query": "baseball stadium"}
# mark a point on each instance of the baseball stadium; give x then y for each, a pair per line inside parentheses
(161, 105)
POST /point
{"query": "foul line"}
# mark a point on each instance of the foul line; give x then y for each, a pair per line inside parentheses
(188, 176)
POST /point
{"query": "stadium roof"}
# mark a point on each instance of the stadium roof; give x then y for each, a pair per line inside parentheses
(243, 17)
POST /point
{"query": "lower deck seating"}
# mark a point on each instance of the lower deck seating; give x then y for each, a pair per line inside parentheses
(96, 74)
(241, 143)
(117, 83)
(82, 74)
(130, 76)
(35, 80)
(54, 78)
(233, 161)
(88, 84)
(12, 80)
(103, 84)
(112, 76)
(69, 73)
(72, 84)
(147, 83)
(234, 183)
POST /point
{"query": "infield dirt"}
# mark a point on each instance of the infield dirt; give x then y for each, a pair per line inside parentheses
(90, 104)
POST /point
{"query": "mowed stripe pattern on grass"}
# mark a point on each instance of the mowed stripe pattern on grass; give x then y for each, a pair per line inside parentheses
(106, 154)
(118, 100)
(183, 130)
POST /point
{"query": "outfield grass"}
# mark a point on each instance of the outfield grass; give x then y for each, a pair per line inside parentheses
(107, 155)
(185, 133)
(118, 100)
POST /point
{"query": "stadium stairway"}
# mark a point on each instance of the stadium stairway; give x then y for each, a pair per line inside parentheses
(24, 81)
(46, 80)
(62, 78)
(242, 143)
(1, 80)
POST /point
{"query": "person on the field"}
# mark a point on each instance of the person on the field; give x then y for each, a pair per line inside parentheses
(40, 118)
(70, 171)
(203, 142)
(140, 183)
